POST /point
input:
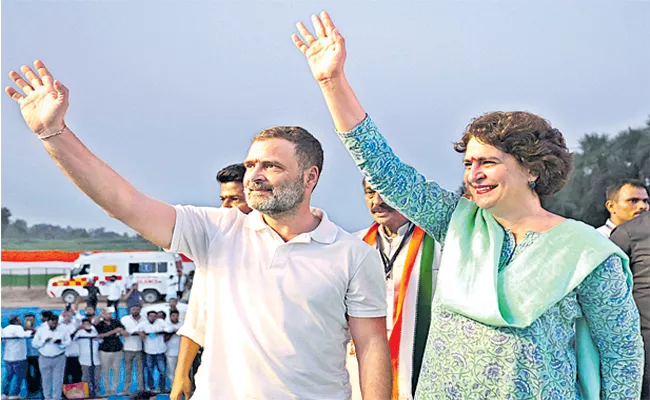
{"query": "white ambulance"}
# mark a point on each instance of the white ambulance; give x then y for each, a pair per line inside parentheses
(150, 269)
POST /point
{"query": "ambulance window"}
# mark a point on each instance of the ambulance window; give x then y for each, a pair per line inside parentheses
(162, 267)
(147, 267)
(134, 268)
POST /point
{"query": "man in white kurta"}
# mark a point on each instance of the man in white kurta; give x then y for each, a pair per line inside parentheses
(411, 259)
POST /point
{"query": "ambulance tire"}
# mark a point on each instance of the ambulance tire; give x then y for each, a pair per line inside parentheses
(69, 296)
(151, 296)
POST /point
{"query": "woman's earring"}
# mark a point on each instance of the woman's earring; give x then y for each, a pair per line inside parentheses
(532, 184)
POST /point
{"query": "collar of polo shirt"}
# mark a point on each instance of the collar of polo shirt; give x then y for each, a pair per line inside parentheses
(324, 233)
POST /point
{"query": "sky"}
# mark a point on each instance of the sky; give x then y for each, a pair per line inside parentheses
(169, 92)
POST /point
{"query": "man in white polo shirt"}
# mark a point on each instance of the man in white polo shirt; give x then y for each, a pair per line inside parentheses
(151, 331)
(287, 287)
(15, 356)
(133, 348)
(51, 341)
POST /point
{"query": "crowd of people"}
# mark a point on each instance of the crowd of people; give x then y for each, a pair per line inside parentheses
(81, 346)
(485, 295)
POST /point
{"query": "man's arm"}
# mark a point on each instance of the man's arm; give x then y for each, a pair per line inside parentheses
(373, 355)
(192, 336)
(128, 293)
(182, 385)
(38, 341)
(43, 105)
(65, 340)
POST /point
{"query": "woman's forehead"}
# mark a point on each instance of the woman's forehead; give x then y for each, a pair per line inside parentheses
(479, 150)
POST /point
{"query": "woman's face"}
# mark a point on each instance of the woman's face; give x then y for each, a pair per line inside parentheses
(495, 179)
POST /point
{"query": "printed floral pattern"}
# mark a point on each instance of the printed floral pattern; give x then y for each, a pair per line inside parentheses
(465, 359)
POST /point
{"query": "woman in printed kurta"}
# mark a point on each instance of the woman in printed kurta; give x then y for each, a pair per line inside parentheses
(467, 359)
(505, 348)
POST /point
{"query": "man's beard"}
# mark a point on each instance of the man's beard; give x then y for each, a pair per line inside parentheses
(284, 198)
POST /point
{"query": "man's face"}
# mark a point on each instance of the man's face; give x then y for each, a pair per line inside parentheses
(274, 183)
(53, 323)
(173, 318)
(135, 311)
(152, 317)
(90, 312)
(232, 196)
(87, 325)
(172, 303)
(382, 213)
(66, 317)
(630, 202)
(30, 320)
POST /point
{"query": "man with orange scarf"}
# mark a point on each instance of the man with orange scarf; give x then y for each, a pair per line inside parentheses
(411, 259)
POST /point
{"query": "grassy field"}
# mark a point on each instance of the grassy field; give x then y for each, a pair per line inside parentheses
(86, 244)
(23, 280)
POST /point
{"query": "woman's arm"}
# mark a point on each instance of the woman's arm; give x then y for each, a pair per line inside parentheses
(424, 203)
(613, 319)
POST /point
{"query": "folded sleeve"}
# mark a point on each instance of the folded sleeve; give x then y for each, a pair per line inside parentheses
(366, 295)
(194, 323)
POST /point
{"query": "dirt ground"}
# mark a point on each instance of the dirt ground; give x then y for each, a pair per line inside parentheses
(17, 296)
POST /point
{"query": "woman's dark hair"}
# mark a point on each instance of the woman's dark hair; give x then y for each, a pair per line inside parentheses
(531, 140)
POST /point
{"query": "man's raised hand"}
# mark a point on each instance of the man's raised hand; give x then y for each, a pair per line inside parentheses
(326, 52)
(43, 101)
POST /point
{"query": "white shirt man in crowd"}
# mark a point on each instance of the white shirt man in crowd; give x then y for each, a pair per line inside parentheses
(52, 341)
(285, 283)
(408, 254)
(625, 200)
(73, 371)
(133, 348)
(15, 357)
(173, 343)
(176, 285)
(152, 333)
(114, 289)
(33, 378)
(86, 339)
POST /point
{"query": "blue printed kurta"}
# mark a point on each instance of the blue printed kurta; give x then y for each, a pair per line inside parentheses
(465, 359)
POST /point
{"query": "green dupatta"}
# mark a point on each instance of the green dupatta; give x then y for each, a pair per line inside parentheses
(470, 284)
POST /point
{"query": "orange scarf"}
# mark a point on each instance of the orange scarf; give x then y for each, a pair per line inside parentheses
(396, 333)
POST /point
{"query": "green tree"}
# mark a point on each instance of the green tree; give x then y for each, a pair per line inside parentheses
(6, 215)
(601, 162)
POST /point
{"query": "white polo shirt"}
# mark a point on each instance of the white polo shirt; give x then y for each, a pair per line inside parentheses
(114, 290)
(15, 347)
(88, 347)
(154, 343)
(73, 349)
(133, 342)
(174, 342)
(271, 315)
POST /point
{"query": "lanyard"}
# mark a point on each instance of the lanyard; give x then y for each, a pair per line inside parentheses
(388, 262)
